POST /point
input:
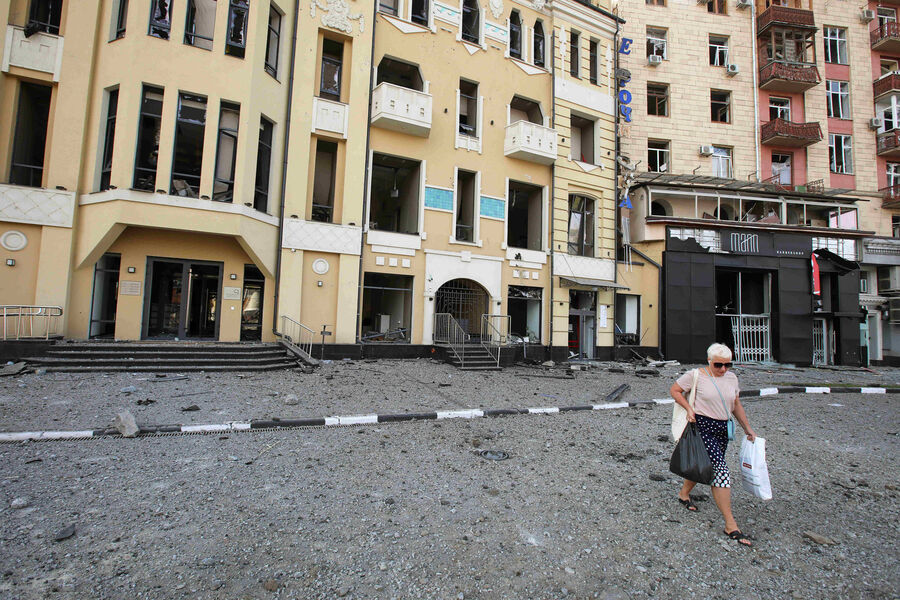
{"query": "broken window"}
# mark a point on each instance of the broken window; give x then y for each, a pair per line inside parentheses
(45, 15)
(471, 22)
(27, 166)
(522, 109)
(332, 66)
(226, 152)
(791, 46)
(201, 22)
(273, 40)
(386, 308)
(148, 139)
(658, 99)
(524, 308)
(582, 139)
(515, 35)
(538, 41)
(779, 108)
(187, 162)
(236, 38)
(657, 156)
(837, 94)
(718, 50)
(263, 166)
(656, 42)
(468, 108)
(721, 162)
(594, 64)
(112, 104)
(388, 6)
(419, 12)
(523, 224)
(121, 13)
(835, 45)
(160, 18)
(781, 168)
(716, 6)
(400, 73)
(574, 54)
(395, 194)
(581, 225)
(720, 106)
(104, 296)
(628, 318)
(466, 195)
(323, 184)
(840, 153)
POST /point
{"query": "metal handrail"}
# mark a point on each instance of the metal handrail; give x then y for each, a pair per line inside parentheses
(25, 316)
(297, 334)
(494, 334)
(447, 330)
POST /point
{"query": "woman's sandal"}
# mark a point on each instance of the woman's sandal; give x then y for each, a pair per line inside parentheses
(738, 536)
(688, 504)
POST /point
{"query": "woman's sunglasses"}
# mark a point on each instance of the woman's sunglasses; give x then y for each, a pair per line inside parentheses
(727, 365)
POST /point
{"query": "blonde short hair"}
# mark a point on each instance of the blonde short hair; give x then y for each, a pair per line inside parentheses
(718, 350)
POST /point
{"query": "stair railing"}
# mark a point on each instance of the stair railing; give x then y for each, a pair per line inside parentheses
(28, 321)
(297, 333)
(449, 332)
(494, 334)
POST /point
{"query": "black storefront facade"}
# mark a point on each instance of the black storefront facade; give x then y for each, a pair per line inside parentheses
(753, 290)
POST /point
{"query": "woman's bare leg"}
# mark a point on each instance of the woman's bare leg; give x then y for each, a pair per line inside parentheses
(685, 492)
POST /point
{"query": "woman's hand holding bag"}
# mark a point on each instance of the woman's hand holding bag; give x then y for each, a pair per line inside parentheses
(690, 459)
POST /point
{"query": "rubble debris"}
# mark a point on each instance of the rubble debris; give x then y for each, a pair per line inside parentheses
(616, 370)
(12, 369)
(191, 408)
(128, 389)
(19, 503)
(494, 454)
(291, 400)
(64, 533)
(125, 424)
(663, 363)
(548, 363)
(651, 372)
(614, 395)
(145, 402)
(820, 539)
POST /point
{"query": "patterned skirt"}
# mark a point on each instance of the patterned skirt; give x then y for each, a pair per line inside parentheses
(715, 437)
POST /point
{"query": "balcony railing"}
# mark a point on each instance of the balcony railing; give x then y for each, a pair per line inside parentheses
(401, 109)
(37, 52)
(889, 143)
(890, 196)
(886, 38)
(888, 84)
(785, 16)
(329, 115)
(530, 141)
(779, 132)
(792, 77)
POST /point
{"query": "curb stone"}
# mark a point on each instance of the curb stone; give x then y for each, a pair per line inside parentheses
(371, 419)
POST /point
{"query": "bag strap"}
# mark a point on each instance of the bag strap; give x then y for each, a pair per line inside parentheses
(721, 398)
(693, 393)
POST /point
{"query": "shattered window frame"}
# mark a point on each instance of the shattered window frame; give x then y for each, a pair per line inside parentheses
(190, 126)
(324, 172)
(332, 69)
(575, 54)
(160, 19)
(419, 12)
(581, 226)
(263, 165)
(273, 41)
(515, 35)
(657, 99)
(236, 38)
(121, 19)
(538, 43)
(470, 22)
(109, 138)
(720, 106)
(191, 36)
(46, 14)
(228, 136)
(145, 163)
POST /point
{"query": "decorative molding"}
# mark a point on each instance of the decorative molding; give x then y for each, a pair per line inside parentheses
(496, 8)
(337, 15)
(39, 52)
(496, 32)
(36, 206)
(526, 257)
(570, 265)
(404, 26)
(530, 69)
(392, 239)
(591, 98)
(587, 167)
(13, 240)
(446, 13)
(321, 237)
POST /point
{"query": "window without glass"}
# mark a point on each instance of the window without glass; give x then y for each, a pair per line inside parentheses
(791, 46)
(574, 54)
(721, 162)
(889, 66)
(148, 139)
(524, 307)
(840, 153)
(522, 109)
(628, 318)
(400, 73)
(716, 6)
(886, 15)
(395, 194)
(273, 40)
(538, 50)
(836, 45)
(893, 175)
(468, 108)
(895, 226)
(781, 168)
(658, 99)
(323, 185)
(388, 7)
(581, 226)
(656, 2)
(419, 12)
(720, 106)
(594, 64)
(523, 223)
(582, 139)
(471, 22)
(45, 14)
(515, 35)
(656, 42)
(386, 308)
(889, 122)
(779, 108)
(121, 14)
(263, 166)
(718, 50)
(112, 99)
(838, 96)
(160, 18)
(332, 67)
(657, 156)
(466, 195)
(187, 164)
(226, 152)
(201, 22)
(27, 166)
(236, 38)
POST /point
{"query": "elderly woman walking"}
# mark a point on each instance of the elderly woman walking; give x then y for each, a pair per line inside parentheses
(715, 400)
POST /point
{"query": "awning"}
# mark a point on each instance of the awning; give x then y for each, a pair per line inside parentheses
(567, 281)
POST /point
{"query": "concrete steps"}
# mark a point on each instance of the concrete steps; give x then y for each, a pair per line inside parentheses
(476, 358)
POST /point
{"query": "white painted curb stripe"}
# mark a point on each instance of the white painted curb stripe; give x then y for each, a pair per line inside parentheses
(241, 426)
(204, 428)
(460, 414)
(610, 405)
(873, 390)
(549, 410)
(664, 400)
(332, 421)
(768, 391)
(818, 390)
(358, 420)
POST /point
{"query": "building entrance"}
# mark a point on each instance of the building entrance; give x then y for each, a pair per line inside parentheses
(582, 324)
(182, 299)
(466, 301)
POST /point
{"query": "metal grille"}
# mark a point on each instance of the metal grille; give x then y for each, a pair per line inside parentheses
(465, 300)
(820, 354)
(752, 338)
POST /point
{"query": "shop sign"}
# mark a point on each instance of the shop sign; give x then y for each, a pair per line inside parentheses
(762, 243)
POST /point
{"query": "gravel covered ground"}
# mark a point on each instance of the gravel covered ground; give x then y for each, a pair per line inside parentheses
(584, 507)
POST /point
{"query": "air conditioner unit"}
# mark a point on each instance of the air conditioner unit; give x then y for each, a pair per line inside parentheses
(889, 281)
(744, 3)
(867, 15)
(732, 70)
(654, 60)
(875, 123)
(706, 150)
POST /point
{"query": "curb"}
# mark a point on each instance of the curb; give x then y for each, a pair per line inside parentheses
(371, 419)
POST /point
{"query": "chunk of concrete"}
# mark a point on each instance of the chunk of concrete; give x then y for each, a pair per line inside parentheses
(126, 425)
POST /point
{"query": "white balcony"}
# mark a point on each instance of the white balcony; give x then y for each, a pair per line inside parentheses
(530, 141)
(38, 52)
(401, 109)
(36, 206)
(329, 115)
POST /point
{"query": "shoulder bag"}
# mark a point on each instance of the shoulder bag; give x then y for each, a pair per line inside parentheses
(724, 406)
(679, 415)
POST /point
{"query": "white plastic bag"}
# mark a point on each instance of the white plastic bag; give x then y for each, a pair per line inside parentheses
(754, 472)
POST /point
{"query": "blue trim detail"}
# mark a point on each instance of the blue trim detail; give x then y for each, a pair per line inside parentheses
(492, 207)
(438, 198)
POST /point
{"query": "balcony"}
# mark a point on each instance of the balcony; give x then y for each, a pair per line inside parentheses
(788, 77)
(886, 85)
(890, 196)
(36, 206)
(330, 116)
(38, 52)
(886, 38)
(401, 109)
(889, 144)
(788, 134)
(531, 142)
(785, 16)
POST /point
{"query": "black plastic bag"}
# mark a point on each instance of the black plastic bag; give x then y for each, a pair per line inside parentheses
(690, 459)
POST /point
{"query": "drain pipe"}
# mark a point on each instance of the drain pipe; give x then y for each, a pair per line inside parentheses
(754, 68)
(615, 93)
(552, 176)
(284, 165)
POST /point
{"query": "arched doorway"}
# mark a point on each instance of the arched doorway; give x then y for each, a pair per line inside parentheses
(465, 300)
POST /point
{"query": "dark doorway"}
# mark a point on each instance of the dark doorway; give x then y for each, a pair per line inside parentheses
(182, 299)
(105, 296)
(387, 307)
(524, 308)
(465, 300)
(252, 304)
(582, 324)
(29, 144)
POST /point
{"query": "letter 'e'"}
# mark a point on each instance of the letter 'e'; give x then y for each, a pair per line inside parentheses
(625, 47)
